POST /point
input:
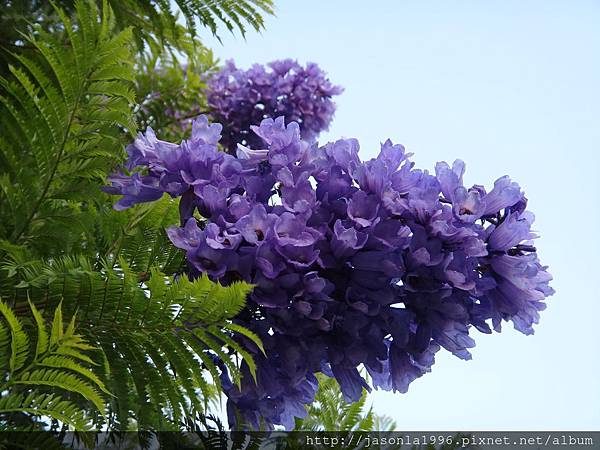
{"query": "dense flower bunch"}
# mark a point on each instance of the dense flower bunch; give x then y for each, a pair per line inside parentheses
(242, 98)
(356, 263)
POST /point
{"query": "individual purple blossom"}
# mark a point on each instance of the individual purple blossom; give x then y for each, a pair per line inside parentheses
(194, 169)
(346, 241)
(372, 264)
(241, 98)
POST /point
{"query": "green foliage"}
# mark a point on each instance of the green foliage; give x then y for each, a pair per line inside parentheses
(232, 14)
(171, 93)
(42, 377)
(62, 113)
(139, 237)
(67, 108)
(330, 412)
(156, 333)
(156, 24)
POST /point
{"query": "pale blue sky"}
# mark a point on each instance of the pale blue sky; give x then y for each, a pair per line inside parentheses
(511, 87)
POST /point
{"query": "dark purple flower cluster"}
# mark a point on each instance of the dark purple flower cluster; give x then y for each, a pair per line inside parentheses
(242, 98)
(372, 264)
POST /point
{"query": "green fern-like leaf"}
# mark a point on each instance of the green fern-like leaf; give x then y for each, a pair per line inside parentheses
(19, 347)
(159, 336)
(330, 412)
(142, 241)
(40, 381)
(156, 24)
(63, 110)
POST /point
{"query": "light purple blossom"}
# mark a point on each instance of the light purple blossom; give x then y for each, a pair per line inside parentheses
(242, 98)
(371, 264)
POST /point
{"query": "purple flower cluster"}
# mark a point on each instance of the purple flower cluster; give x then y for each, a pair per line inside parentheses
(372, 264)
(242, 98)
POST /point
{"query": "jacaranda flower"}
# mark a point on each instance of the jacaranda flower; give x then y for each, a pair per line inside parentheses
(242, 98)
(372, 264)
